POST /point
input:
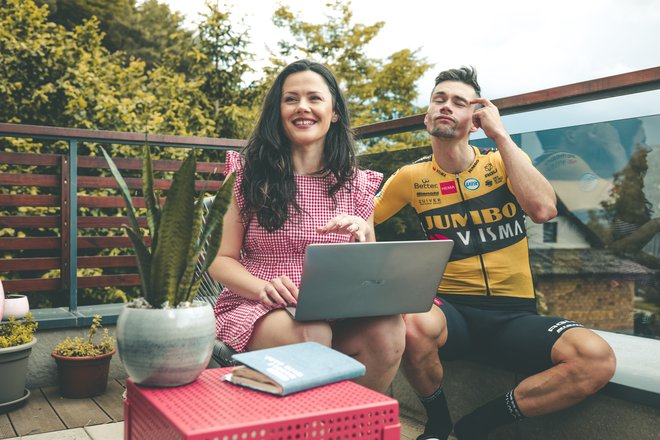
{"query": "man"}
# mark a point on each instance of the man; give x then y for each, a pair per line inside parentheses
(485, 309)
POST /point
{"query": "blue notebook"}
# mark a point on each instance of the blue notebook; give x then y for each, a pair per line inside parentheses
(291, 368)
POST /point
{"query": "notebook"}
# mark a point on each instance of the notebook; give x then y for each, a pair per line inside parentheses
(349, 280)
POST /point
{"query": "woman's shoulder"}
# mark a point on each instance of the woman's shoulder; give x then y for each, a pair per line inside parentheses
(367, 180)
(233, 162)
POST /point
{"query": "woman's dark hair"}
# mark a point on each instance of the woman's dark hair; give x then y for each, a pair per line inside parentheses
(268, 184)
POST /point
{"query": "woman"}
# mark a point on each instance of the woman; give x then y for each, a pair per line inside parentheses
(297, 183)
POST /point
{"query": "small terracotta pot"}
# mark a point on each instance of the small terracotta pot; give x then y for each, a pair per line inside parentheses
(82, 377)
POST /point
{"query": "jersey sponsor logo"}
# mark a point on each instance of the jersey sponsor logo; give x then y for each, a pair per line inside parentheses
(439, 171)
(471, 184)
(428, 194)
(448, 188)
(488, 182)
(497, 179)
(457, 220)
(476, 162)
(488, 167)
(561, 326)
(495, 221)
(431, 201)
(425, 185)
(490, 173)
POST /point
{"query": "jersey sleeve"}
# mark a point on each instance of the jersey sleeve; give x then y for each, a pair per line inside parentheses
(394, 195)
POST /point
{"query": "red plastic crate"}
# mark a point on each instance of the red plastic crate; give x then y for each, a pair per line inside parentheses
(213, 409)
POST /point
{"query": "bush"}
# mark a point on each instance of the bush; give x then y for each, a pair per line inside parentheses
(78, 347)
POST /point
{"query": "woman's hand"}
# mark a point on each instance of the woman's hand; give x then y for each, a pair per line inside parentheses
(358, 227)
(280, 291)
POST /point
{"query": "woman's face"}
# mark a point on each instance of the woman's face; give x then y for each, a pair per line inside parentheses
(307, 109)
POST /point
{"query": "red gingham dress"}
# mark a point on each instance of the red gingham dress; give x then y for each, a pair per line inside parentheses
(267, 255)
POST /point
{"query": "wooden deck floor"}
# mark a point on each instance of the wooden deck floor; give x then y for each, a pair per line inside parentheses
(46, 411)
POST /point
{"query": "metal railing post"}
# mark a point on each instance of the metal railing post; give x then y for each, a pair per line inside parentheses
(73, 226)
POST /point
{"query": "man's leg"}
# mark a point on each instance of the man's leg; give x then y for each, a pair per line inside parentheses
(582, 364)
(426, 333)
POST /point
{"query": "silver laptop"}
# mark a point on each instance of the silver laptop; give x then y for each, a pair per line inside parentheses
(350, 280)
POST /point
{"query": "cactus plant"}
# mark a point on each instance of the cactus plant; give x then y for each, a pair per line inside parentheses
(178, 234)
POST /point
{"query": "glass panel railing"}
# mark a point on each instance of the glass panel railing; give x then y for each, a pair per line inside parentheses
(597, 261)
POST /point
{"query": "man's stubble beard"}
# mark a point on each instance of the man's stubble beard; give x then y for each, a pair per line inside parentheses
(446, 133)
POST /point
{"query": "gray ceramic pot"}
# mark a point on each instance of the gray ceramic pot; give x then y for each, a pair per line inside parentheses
(13, 375)
(165, 348)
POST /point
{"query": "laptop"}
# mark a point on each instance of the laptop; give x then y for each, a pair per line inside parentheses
(350, 280)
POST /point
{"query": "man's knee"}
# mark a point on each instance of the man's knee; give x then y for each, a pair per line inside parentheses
(425, 333)
(590, 359)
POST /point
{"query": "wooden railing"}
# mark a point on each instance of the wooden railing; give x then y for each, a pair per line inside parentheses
(48, 245)
(77, 228)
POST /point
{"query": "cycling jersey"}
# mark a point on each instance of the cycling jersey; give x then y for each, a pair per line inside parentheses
(478, 211)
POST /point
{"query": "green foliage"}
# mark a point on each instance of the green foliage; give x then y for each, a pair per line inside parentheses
(79, 347)
(167, 267)
(377, 90)
(17, 332)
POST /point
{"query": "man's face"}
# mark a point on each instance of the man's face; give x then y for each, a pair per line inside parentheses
(450, 113)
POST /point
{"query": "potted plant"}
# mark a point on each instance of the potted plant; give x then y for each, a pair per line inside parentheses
(83, 364)
(164, 338)
(16, 341)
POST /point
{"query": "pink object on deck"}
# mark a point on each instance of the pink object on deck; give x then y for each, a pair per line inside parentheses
(211, 408)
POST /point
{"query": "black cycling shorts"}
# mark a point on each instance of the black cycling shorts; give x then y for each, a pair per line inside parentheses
(518, 340)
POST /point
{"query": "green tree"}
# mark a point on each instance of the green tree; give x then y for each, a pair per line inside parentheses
(377, 90)
(149, 31)
(53, 76)
(222, 65)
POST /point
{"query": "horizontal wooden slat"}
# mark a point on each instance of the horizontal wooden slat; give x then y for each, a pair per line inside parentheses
(106, 242)
(29, 243)
(40, 180)
(29, 221)
(136, 183)
(31, 285)
(109, 202)
(108, 222)
(28, 200)
(45, 132)
(109, 280)
(40, 263)
(136, 164)
(107, 261)
(49, 243)
(29, 158)
(49, 263)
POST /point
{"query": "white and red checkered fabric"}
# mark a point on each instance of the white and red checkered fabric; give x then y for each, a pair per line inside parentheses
(268, 255)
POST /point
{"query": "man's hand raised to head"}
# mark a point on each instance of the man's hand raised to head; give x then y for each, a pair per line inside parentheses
(488, 119)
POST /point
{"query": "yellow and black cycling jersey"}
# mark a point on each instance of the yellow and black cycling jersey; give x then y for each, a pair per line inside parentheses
(477, 209)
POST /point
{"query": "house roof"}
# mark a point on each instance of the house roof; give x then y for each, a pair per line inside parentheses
(590, 262)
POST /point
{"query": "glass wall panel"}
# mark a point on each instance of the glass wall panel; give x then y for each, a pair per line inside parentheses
(597, 261)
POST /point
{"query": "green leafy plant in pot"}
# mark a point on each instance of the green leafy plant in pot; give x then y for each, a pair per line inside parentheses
(83, 364)
(165, 338)
(16, 342)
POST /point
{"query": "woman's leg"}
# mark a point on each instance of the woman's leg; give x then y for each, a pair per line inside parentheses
(376, 342)
(278, 328)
